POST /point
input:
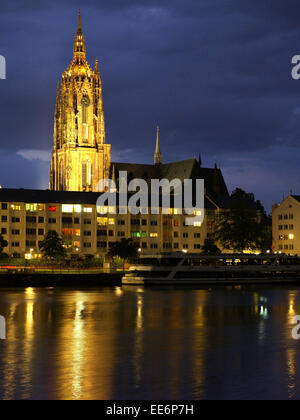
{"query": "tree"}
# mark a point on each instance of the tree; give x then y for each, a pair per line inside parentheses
(210, 247)
(126, 249)
(3, 244)
(52, 246)
(244, 224)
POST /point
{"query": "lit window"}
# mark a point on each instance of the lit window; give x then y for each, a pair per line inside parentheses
(111, 221)
(102, 221)
(76, 232)
(102, 209)
(135, 234)
(52, 208)
(67, 208)
(77, 208)
(15, 207)
(291, 236)
(87, 210)
(153, 235)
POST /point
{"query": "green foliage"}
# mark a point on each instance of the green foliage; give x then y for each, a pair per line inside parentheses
(3, 244)
(210, 248)
(52, 246)
(126, 249)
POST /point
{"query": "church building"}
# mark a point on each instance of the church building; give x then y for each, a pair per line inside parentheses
(81, 159)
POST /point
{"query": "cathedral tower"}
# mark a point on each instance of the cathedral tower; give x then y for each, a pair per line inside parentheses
(80, 157)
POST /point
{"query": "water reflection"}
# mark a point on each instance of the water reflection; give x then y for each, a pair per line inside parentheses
(136, 343)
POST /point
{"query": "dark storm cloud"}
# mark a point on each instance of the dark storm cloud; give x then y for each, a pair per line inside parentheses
(214, 74)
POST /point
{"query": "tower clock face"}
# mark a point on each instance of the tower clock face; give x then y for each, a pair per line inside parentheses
(85, 100)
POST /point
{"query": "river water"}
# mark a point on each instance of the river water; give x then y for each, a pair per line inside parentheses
(150, 343)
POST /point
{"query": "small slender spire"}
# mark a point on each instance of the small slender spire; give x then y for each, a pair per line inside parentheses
(79, 20)
(157, 154)
(79, 42)
(113, 187)
(96, 70)
(200, 159)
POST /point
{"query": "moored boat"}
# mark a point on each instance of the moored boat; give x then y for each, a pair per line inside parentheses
(189, 269)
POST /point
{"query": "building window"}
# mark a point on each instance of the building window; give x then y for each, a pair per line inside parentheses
(135, 234)
(3, 218)
(30, 219)
(15, 220)
(87, 233)
(197, 235)
(176, 245)
(3, 231)
(3, 206)
(30, 231)
(291, 216)
(31, 244)
(280, 217)
(41, 232)
(121, 222)
(15, 207)
(153, 223)
(41, 219)
(15, 232)
(51, 221)
(197, 246)
(30, 207)
(87, 245)
(101, 245)
(153, 246)
(185, 235)
(87, 222)
(154, 235)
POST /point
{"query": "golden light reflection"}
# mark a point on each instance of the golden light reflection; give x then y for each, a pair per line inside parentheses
(291, 368)
(78, 351)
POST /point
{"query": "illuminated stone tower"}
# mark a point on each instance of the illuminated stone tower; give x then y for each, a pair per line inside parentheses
(80, 157)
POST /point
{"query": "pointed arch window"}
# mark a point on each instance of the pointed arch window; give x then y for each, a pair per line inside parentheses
(61, 176)
(86, 174)
(85, 102)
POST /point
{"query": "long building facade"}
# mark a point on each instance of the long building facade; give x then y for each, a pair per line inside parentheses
(86, 229)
